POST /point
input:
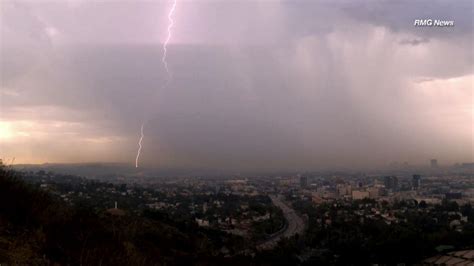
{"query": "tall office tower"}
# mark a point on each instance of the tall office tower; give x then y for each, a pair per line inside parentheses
(304, 181)
(391, 183)
(416, 182)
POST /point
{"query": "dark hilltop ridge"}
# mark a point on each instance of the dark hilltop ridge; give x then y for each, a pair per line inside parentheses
(38, 229)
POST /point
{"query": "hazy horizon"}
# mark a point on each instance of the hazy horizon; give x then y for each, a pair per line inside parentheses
(255, 85)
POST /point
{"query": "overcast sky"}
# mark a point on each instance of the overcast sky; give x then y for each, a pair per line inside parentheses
(255, 84)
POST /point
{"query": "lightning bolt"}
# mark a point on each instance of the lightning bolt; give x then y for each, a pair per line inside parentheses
(165, 64)
(168, 38)
(139, 145)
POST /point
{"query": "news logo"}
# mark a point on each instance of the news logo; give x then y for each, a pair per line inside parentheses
(433, 23)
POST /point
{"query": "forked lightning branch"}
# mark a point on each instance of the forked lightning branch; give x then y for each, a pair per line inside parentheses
(165, 64)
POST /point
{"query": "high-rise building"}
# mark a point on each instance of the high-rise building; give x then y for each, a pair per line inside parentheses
(304, 181)
(391, 183)
(416, 182)
(344, 190)
(374, 192)
(434, 163)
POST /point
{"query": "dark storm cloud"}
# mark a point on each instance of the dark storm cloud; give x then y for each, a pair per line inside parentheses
(256, 85)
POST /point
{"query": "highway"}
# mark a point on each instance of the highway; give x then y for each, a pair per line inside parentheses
(295, 224)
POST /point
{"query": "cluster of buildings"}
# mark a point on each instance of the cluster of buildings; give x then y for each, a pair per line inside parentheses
(223, 202)
(431, 189)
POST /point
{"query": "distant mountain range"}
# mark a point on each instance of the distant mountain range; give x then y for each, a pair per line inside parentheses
(104, 170)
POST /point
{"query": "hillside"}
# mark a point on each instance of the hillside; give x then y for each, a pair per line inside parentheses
(36, 228)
